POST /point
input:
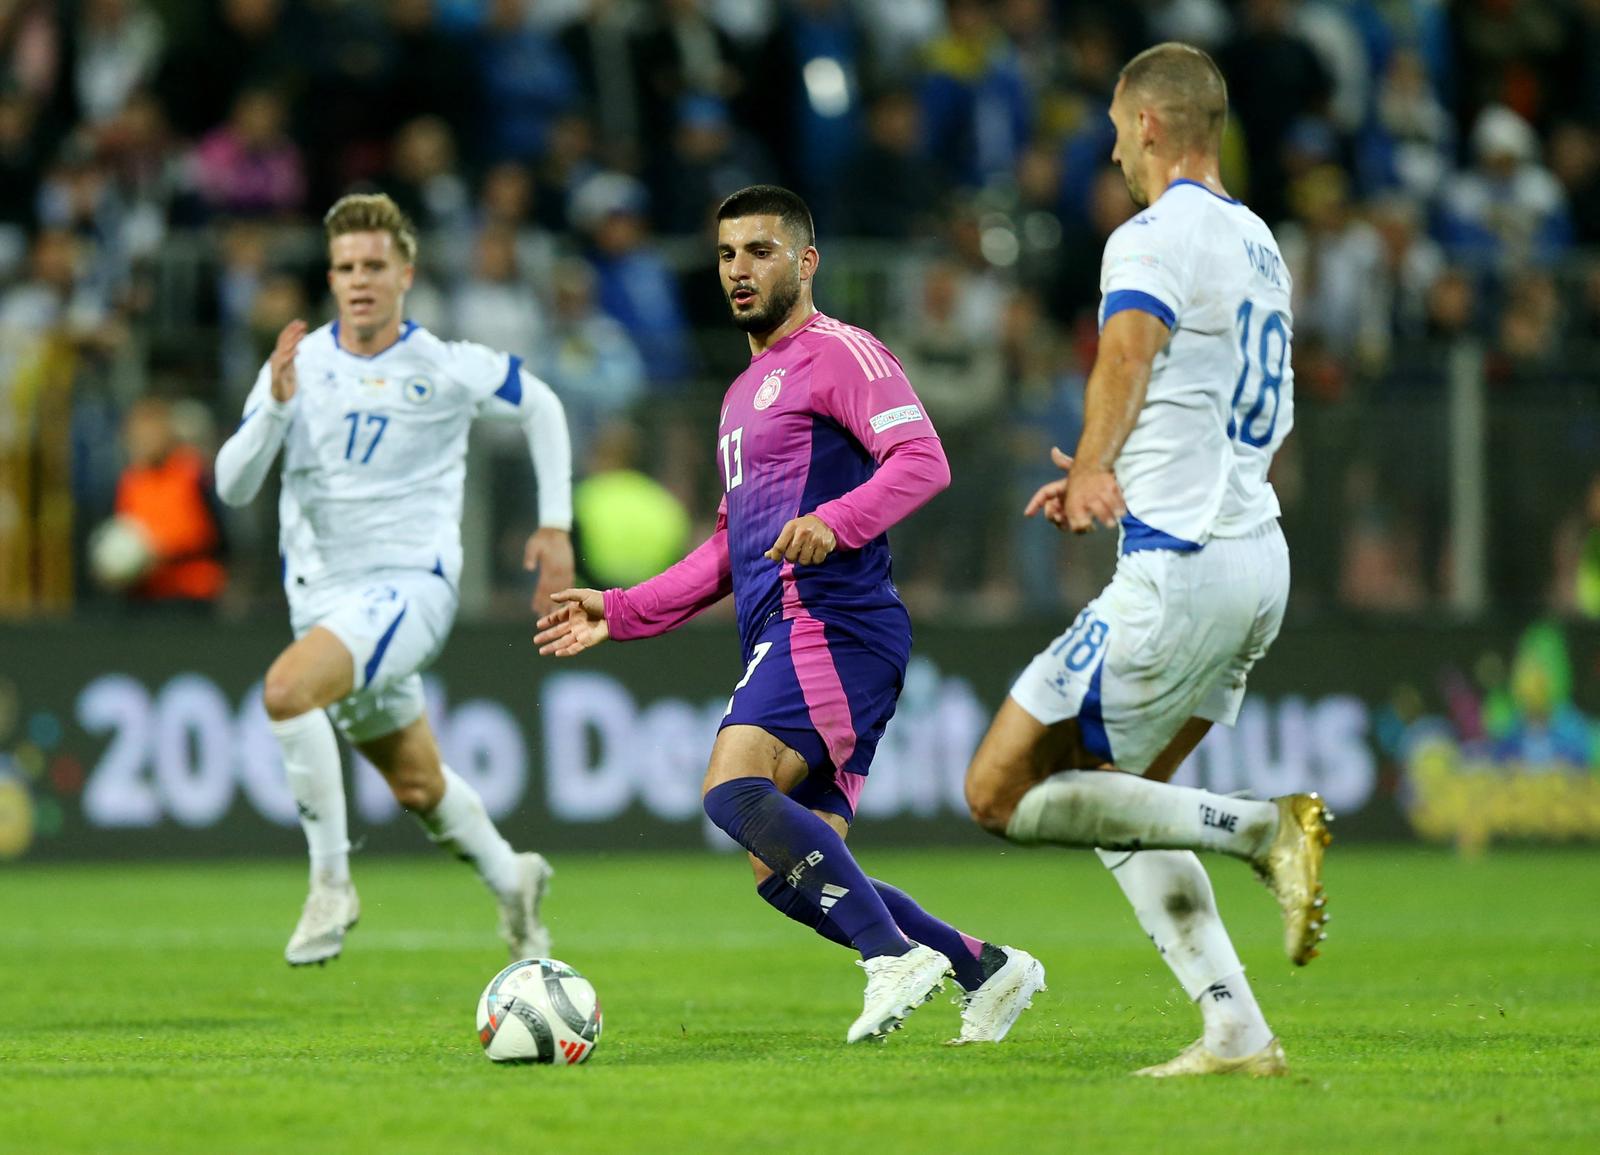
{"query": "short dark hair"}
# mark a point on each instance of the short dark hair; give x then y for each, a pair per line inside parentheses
(762, 200)
(1187, 86)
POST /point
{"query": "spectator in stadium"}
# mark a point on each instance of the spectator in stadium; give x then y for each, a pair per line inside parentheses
(568, 161)
(119, 44)
(890, 189)
(975, 101)
(628, 526)
(1336, 260)
(167, 491)
(681, 51)
(1275, 78)
(430, 72)
(587, 357)
(494, 305)
(240, 273)
(711, 157)
(1575, 162)
(1075, 292)
(1508, 209)
(1409, 142)
(600, 43)
(236, 45)
(525, 81)
(20, 165)
(58, 293)
(1517, 54)
(425, 177)
(1452, 305)
(250, 166)
(146, 168)
(817, 63)
(959, 376)
(1528, 341)
(636, 286)
(1412, 262)
(506, 199)
(1380, 567)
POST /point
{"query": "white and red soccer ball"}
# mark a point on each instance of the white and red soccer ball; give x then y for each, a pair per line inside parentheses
(539, 1010)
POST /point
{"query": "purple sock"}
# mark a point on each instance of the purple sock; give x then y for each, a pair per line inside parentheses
(786, 900)
(973, 960)
(807, 853)
(964, 952)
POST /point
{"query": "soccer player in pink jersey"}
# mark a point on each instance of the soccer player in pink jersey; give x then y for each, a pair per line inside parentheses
(823, 445)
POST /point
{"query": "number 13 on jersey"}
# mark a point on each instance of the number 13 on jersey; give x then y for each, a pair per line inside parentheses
(1272, 359)
(732, 459)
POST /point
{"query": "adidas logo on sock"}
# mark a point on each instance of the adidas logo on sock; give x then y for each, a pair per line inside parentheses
(832, 894)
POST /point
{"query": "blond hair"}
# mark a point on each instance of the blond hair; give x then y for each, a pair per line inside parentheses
(1187, 87)
(372, 213)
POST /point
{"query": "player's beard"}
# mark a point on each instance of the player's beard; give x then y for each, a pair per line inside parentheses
(780, 302)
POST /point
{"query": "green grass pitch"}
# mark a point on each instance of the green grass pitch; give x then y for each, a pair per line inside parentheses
(147, 1009)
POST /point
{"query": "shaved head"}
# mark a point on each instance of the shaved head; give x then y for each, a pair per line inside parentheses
(1185, 88)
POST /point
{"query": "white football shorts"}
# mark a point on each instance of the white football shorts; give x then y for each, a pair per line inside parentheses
(394, 624)
(1173, 636)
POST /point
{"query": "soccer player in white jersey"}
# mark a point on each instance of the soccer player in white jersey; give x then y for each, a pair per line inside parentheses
(1191, 394)
(372, 414)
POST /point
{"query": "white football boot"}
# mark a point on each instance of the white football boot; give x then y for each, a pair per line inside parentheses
(1195, 1059)
(989, 1012)
(525, 936)
(330, 910)
(896, 986)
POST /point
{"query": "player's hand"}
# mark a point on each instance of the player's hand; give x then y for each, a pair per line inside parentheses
(576, 624)
(804, 541)
(550, 552)
(1093, 498)
(1051, 498)
(284, 381)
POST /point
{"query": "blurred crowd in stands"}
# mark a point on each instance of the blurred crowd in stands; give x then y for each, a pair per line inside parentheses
(1432, 170)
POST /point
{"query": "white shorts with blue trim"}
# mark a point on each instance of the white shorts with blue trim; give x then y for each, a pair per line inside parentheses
(1172, 637)
(394, 624)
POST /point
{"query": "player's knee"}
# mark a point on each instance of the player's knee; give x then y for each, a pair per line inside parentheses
(285, 696)
(418, 792)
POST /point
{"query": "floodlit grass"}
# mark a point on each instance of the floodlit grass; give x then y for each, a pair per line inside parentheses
(147, 1008)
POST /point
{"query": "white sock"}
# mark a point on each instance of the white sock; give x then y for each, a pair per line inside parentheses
(1174, 903)
(1235, 1026)
(461, 825)
(1117, 811)
(316, 781)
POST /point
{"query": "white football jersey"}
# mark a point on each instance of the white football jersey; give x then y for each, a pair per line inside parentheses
(375, 451)
(1221, 395)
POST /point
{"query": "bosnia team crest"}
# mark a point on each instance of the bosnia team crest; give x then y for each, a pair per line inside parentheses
(417, 390)
(768, 392)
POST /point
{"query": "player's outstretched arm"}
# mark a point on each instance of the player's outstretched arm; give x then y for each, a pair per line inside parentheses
(549, 552)
(577, 623)
(244, 459)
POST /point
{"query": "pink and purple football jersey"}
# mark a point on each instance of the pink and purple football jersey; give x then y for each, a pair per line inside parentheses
(802, 427)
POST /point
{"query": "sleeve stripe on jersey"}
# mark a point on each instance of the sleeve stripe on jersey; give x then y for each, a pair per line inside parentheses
(510, 390)
(1123, 299)
(872, 364)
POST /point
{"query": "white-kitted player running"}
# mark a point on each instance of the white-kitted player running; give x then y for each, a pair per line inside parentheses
(372, 414)
(1191, 394)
